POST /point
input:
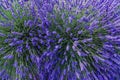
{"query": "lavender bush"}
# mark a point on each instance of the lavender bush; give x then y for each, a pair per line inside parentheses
(86, 40)
(60, 40)
(22, 40)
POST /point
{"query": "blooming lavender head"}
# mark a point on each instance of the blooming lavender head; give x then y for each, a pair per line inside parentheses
(22, 40)
(86, 40)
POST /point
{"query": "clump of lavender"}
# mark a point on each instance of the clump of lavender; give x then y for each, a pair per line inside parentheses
(86, 40)
(22, 40)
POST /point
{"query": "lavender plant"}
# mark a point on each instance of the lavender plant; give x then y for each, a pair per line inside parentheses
(22, 40)
(86, 40)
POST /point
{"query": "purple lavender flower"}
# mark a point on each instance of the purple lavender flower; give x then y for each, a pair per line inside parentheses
(86, 40)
